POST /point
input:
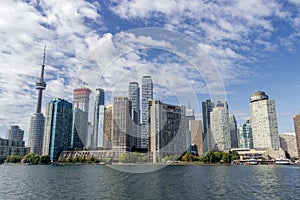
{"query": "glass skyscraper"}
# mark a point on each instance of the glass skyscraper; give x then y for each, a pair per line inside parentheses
(134, 97)
(245, 135)
(81, 98)
(147, 94)
(58, 126)
(99, 101)
(207, 107)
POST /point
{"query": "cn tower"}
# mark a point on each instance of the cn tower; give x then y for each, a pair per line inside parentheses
(37, 121)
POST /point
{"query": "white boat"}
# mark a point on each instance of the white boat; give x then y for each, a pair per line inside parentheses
(282, 161)
(253, 161)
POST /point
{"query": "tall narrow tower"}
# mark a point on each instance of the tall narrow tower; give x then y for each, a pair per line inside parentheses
(81, 98)
(134, 97)
(147, 94)
(99, 101)
(36, 129)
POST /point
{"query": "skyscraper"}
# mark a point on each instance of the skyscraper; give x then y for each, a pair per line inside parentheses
(233, 131)
(207, 107)
(245, 135)
(167, 130)
(134, 97)
(36, 127)
(107, 126)
(81, 97)
(99, 100)
(264, 122)
(220, 128)
(15, 133)
(58, 128)
(297, 131)
(195, 127)
(147, 94)
(122, 125)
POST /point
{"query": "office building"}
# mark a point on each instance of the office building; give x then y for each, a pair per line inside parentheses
(122, 124)
(207, 107)
(195, 127)
(99, 101)
(233, 131)
(245, 139)
(37, 120)
(134, 97)
(288, 144)
(15, 133)
(58, 128)
(81, 97)
(147, 94)
(219, 128)
(264, 122)
(107, 126)
(297, 132)
(118, 125)
(167, 130)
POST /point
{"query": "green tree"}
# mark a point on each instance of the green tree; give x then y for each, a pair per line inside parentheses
(45, 159)
(13, 159)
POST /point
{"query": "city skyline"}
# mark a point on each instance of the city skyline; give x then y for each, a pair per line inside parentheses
(254, 45)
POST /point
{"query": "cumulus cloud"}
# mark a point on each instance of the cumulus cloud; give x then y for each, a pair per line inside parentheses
(65, 27)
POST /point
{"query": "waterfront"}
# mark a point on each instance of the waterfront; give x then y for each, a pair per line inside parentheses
(172, 182)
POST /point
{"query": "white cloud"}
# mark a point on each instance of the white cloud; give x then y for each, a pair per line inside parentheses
(25, 28)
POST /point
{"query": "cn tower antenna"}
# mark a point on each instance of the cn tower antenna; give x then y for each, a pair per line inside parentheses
(44, 56)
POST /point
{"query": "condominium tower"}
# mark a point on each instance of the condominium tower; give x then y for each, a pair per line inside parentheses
(58, 128)
(207, 107)
(147, 94)
(81, 98)
(264, 122)
(297, 131)
(15, 133)
(220, 128)
(245, 135)
(99, 101)
(134, 97)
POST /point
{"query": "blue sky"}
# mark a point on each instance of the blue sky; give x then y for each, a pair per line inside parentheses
(254, 44)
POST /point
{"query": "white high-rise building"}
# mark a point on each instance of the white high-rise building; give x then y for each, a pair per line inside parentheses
(220, 127)
(264, 122)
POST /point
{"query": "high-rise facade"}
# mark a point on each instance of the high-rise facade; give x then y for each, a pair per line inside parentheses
(58, 128)
(107, 126)
(122, 124)
(207, 107)
(220, 128)
(288, 144)
(99, 101)
(37, 121)
(233, 131)
(15, 133)
(134, 97)
(264, 122)
(81, 97)
(297, 131)
(167, 130)
(117, 127)
(147, 94)
(195, 127)
(245, 139)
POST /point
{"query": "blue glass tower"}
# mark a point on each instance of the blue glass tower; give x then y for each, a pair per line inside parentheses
(58, 127)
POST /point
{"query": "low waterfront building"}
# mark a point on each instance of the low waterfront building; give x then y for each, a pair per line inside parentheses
(12, 148)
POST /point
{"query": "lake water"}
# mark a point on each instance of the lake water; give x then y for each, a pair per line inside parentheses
(172, 182)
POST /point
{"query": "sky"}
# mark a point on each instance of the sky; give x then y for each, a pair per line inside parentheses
(194, 50)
